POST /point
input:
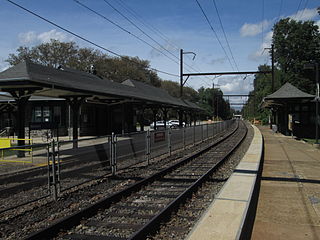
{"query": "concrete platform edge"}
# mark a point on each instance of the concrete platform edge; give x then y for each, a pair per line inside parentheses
(235, 224)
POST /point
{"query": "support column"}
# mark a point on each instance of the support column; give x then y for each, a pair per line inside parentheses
(180, 118)
(155, 111)
(21, 97)
(165, 113)
(75, 103)
(141, 117)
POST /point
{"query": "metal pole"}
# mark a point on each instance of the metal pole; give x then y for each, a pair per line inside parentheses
(54, 180)
(317, 103)
(181, 72)
(169, 141)
(49, 175)
(201, 132)
(181, 86)
(112, 155)
(184, 138)
(115, 154)
(207, 130)
(58, 158)
(272, 67)
(148, 146)
(194, 134)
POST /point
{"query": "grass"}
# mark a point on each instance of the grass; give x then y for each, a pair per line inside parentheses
(309, 140)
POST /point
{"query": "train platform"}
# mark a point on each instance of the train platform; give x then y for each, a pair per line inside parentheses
(278, 200)
(226, 216)
(289, 199)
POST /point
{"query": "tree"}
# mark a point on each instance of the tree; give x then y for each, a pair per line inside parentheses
(295, 44)
(212, 101)
(173, 88)
(69, 54)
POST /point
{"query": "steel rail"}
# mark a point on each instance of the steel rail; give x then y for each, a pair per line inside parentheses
(74, 219)
(155, 222)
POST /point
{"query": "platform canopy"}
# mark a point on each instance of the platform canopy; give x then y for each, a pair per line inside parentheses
(65, 82)
(287, 93)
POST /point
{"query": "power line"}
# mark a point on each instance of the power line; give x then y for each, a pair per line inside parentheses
(280, 9)
(208, 21)
(298, 8)
(147, 25)
(141, 30)
(224, 33)
(82, 38)
(123, 29)
(262, 21)
(304, 8)
(154, 30)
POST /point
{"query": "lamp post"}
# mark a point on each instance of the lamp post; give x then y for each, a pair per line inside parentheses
(315, 66)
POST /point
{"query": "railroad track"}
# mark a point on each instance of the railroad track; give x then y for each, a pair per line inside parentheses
(137, 211)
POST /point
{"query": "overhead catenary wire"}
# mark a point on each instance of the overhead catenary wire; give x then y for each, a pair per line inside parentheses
(82, 38)
(153, 29)
(280, 10)
(224, 33)
(304, 8)
(138, 17)
(298, 8)
(140, 29)
(214, 32)
(123, 29)
(262, 23)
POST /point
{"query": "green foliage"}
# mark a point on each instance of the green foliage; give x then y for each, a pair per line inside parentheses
(296, 43)
(211, 99)
(69, 54)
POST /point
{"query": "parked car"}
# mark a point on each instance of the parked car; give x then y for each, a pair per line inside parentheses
(159, 124)
(175, 123)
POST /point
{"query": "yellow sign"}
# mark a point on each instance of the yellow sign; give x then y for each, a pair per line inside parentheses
(5, 143)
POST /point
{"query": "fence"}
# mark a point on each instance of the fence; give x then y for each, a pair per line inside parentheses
(96, 157)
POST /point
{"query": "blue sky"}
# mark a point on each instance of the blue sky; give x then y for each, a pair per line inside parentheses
(181, 25)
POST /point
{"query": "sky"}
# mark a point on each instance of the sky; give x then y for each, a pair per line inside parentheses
(233, 40)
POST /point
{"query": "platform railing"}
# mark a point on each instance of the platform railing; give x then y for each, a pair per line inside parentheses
(106, 155)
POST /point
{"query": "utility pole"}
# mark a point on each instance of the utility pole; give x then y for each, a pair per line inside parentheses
(182, 83)
(317, 102)
(181, 87)
(272, 67)
(181, 72)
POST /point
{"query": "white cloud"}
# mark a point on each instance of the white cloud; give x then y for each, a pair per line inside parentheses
(154, 53)
(262, 53)
(31, 37)
(235, 85)
(3, 66)
(304, 14)
(218, 61)
(252, 29)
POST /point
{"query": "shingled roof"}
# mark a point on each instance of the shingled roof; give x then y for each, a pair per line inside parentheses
(288, 91)
(69, 82)
(158, 93)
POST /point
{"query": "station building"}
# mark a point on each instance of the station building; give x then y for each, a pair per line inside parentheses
(42, 97)
(293, 112)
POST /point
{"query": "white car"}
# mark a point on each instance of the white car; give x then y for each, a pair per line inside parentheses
(175, 123)
(159, 124)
